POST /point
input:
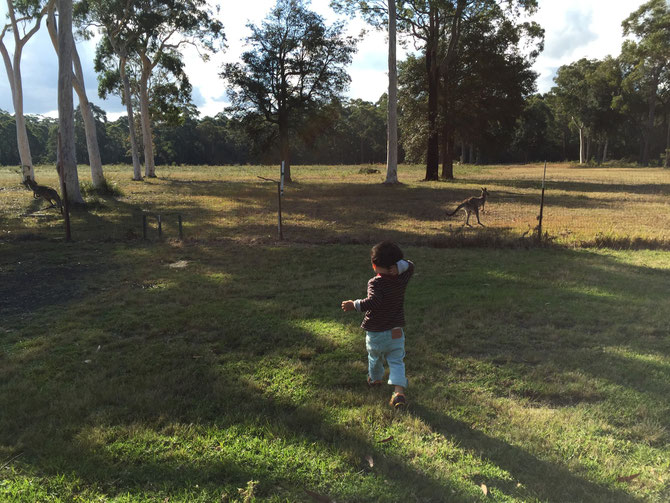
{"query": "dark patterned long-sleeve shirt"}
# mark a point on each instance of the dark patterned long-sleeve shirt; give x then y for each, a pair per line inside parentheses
(384, 306)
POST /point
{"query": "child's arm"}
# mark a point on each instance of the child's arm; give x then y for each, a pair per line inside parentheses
(372, 301)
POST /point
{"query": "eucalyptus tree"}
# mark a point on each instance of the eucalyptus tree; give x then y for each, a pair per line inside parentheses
(295, 64)
(116, 21)
(437, 27)
(382, 13)
(485, 73)
(649, 58)
(163, 28)
(93, 149)
(573, 93)
(66, 145)
(426, 21)
(467, 82)
(605, 89)
(25, 18)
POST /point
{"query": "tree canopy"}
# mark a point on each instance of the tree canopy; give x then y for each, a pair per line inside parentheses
(295, 64)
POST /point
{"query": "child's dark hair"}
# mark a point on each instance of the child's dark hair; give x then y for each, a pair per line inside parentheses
(385, 254)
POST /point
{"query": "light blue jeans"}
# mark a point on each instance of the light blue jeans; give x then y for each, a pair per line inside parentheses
(381, 346)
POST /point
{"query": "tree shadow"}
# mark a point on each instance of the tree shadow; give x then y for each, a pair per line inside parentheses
(545, 481)
(328, 213)
(199, 356)
(659, 189)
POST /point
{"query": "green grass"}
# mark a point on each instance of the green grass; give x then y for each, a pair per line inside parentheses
(625, 208)
(222, 369)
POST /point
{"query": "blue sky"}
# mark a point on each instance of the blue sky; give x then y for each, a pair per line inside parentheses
(574, 29)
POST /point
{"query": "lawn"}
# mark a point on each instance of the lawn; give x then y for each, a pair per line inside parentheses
(220, 367)
(619, 206)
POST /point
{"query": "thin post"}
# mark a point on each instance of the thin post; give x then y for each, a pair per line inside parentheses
(144, 227)
(160, 227)
(281, 234)
(539, 225)
(281, 179)
(181, 231)
(280, 188)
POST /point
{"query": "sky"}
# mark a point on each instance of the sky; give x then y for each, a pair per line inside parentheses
(573, 29)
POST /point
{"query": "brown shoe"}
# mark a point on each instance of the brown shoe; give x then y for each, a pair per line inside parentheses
(398, 401)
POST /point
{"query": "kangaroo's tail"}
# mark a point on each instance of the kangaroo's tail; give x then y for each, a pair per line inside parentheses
(457, 208)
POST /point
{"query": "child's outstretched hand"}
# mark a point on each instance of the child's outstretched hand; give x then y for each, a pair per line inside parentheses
(348, 305)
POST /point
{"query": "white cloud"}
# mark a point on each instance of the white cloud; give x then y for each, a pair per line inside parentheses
(367, 71)
(574, 29)
(577, 29)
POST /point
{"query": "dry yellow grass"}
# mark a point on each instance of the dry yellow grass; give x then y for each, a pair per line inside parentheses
(583, 206)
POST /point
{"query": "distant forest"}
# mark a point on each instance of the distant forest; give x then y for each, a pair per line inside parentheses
(346, 132)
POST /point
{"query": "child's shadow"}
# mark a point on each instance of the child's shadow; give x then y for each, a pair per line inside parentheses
(544, 480)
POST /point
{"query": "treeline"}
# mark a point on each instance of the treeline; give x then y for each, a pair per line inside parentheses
(479, 108)
(350, 132)
(354, 132)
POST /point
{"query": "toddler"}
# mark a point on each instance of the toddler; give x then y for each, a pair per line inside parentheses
(385, 317)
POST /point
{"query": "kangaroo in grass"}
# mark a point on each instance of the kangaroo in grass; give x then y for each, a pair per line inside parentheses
(472, 205)
(46, 193)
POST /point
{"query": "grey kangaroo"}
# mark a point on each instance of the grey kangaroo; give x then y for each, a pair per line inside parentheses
(472, 205)
(46, 193)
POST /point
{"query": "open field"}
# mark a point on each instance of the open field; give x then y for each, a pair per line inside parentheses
(584, 206)
(222, 369)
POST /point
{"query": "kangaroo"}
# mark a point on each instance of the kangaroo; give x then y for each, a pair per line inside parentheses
(472, 205)
(46, 193)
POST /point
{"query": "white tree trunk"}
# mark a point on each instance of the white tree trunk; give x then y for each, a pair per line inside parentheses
(147, 133)
(13, 67)
(94, 160)
(67, 157)
(581, 145)
(137, 169)
(392, 143)
(21, 130)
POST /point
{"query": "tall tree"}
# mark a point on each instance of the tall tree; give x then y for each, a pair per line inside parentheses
(296, 63)
(117, 21)
(426, 20)
(483, 79)
(25, 20)
(650, 57)
(93, 149)
(165, 26)
(604, 84)
(67, 156)
(437, 25)
(485, 73)
(573, 92)
(382, 13)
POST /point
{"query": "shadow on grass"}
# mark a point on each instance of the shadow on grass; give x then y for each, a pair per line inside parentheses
(325, 213)
(186, 348)
(660, 189)
(62, 391)
(544, 480)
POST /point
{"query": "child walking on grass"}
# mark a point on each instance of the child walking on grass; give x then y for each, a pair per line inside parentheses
(385, 317)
